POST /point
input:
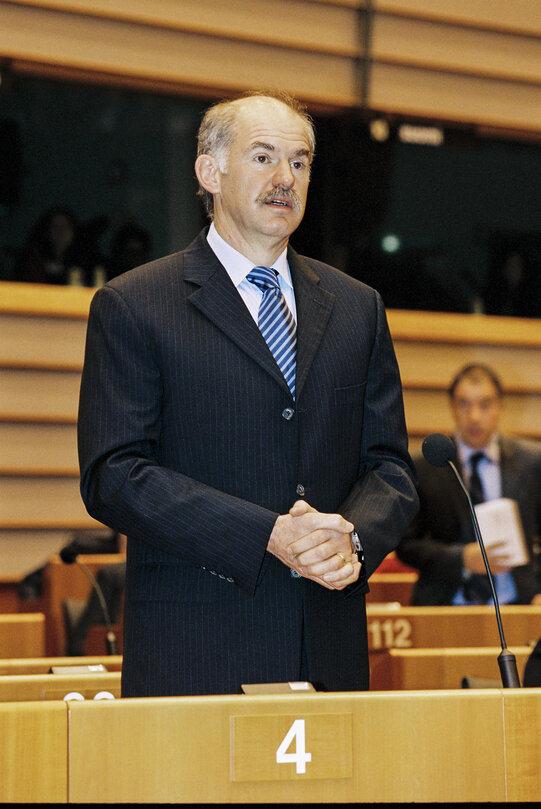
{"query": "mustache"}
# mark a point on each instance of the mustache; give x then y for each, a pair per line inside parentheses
(286, 193)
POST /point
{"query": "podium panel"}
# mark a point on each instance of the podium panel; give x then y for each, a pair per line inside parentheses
(286, 735)
(441, 746)
(34, 760)
(523, 745)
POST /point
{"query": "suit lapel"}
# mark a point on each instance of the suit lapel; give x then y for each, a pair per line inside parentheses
(314, 306)
(510, 471)
(456, 497)
(216, 297)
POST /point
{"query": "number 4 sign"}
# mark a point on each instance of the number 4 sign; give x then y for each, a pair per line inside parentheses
(282, 747)
(296, 733)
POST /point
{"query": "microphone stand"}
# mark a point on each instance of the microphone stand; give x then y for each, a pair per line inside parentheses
(506, 659)
(110, 637)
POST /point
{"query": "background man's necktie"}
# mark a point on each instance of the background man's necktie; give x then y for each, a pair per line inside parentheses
(477, 493)
(276, 323)
(477, 587)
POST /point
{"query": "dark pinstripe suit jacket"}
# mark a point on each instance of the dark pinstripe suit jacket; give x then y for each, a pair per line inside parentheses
(187, 445)
(433, 542)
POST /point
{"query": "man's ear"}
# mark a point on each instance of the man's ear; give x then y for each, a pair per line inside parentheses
(207, 172)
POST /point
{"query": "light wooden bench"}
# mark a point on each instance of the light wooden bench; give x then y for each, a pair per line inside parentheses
(22, 635)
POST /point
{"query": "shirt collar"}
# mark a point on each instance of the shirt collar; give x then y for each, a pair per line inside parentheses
(491, 450)
(237, 265)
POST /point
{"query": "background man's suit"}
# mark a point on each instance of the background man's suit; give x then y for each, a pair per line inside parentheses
(433, 542)
(194, 446)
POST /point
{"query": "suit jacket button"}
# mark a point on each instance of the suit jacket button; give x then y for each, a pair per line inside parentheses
(288, 413)
(300, 489)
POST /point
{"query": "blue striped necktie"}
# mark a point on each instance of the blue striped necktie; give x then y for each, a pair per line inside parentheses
(276, 323)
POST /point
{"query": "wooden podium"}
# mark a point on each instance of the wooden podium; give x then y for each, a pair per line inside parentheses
(432, 746)
(443, 746)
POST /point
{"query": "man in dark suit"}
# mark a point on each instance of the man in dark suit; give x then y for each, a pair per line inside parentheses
(440, 541)
(245, 497)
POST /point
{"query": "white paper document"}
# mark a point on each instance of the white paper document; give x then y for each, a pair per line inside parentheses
(499, 521)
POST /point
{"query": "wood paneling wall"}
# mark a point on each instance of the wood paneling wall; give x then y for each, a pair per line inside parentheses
(474, 62)
(432, 346)
(42, 332)
(201, 46)
(467, 61)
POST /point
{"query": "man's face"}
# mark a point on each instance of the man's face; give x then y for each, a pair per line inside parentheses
(262, 188)
(476, 409)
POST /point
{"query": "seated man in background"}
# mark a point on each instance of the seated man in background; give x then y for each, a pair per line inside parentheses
(440, 542)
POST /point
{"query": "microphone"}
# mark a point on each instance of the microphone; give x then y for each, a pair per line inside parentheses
(439, 450)
(69, 555)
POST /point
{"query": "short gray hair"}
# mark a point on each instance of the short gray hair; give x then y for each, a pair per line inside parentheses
(217, 130)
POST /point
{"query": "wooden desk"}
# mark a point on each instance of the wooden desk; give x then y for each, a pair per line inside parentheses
(462, 746)
(96, 639)
(9, 595)
(394, 626)
(22, 635)
(424, 669)
(42, 665)
(63, 581)
(410, 746)
(30, 687)
(391, 587)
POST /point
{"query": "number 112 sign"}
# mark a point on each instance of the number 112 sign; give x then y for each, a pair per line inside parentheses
(291, 748)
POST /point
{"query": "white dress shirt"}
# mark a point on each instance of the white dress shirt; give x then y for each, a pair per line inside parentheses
(488, 468)
(238, 267)
(489, 471)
